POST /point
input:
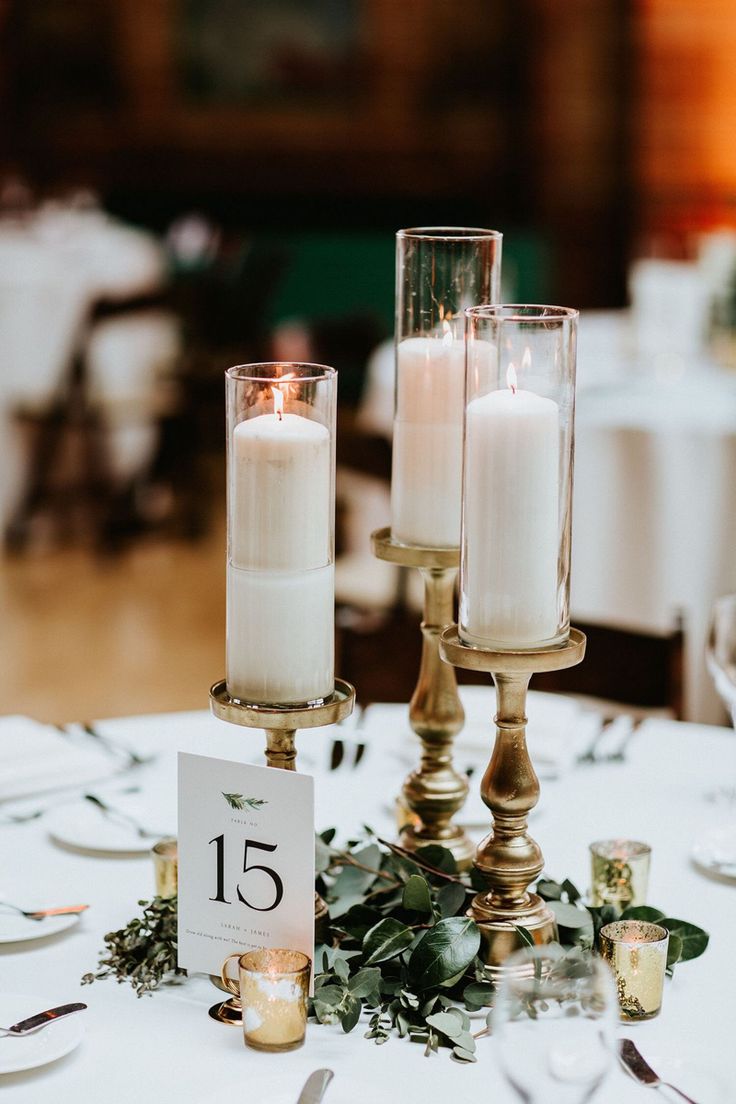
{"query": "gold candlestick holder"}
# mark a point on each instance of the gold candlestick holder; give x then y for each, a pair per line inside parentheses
(434, 792)
(508, 859)
(280, 723)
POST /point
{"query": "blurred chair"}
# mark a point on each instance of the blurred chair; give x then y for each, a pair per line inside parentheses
(623, 672)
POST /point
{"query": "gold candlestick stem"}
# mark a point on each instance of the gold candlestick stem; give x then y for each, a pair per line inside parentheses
(434, 791)
(508, 859)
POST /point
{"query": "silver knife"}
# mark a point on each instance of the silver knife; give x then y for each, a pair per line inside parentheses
(641, 1071)
(34, 1023)
(314, 1086)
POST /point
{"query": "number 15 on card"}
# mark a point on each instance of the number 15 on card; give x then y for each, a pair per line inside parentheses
(246, 860)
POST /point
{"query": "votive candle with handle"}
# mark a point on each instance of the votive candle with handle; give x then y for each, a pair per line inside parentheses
(273, 985)
(517, 476)
(636, 951)
(281, 504)
(439, 272)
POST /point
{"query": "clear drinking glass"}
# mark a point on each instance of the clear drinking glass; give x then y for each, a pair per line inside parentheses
(517, 476)
(281, 511)
(440, 270)
(554, 1023)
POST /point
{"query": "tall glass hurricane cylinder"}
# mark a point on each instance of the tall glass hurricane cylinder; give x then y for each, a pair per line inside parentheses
(517, 476)
(439, 272)
(281, 507)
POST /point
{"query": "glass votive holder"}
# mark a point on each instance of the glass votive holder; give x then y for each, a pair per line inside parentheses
(166, 867)
(273, 986)
(637, 953)
(619, 871)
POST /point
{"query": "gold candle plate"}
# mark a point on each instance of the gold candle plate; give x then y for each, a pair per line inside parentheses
(434, 792)
(508, 859)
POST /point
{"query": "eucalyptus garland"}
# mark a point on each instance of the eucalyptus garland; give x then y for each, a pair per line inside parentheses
(400, 945)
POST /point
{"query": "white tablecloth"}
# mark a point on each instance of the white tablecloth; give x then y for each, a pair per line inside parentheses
(165, 1048)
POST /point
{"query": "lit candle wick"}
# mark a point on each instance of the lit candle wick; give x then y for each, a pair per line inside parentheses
(278, 402)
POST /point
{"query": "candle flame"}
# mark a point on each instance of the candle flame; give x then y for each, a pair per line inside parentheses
(511, 380)
(526, 360)
(278, 396)
(278, 402)
(446, 333)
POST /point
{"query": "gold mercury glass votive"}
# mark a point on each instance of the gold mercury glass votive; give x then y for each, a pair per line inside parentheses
(274, 991)
(637, 953)
(619, 872)
(166, 867)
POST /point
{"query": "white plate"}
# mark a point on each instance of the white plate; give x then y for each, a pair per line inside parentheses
(716, 853)
(41, 1047)
(85, 826)
(15, 928)
(693, 1077)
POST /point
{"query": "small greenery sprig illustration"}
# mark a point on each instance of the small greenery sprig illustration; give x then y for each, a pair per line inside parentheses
(237, 801)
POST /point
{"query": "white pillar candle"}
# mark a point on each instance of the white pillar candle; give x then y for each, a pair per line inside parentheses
(280, 594)
(426, 478)
(511, 523)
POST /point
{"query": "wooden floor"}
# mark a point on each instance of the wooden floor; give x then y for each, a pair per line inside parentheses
(84, 638)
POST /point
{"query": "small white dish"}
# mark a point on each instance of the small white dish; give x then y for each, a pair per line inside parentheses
(715, 853)
(40, 1047)
(15, 928)
(84, 826)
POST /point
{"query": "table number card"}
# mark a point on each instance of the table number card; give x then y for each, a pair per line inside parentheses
(246, 860)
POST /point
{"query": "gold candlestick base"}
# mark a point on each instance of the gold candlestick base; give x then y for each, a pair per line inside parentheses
(280, 723)
(509, 859)
(434, 792)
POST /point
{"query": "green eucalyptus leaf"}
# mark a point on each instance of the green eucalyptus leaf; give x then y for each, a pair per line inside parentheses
(416, 896)
(365, 982)
(386, 940)
(479, 994)
(351, 1014)
(459, 1054)
(446, 1023)
(549, 890)
(437, 856)
(573, 893)
(444, 951)
(568, 916)
(674, 950)
(642, 912)
(330, 995)
(525, 937)
(694, 939)
(450, 899)
(358, 920)
(342, 969)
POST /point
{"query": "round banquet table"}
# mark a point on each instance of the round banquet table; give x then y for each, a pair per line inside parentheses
(164, 1047)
